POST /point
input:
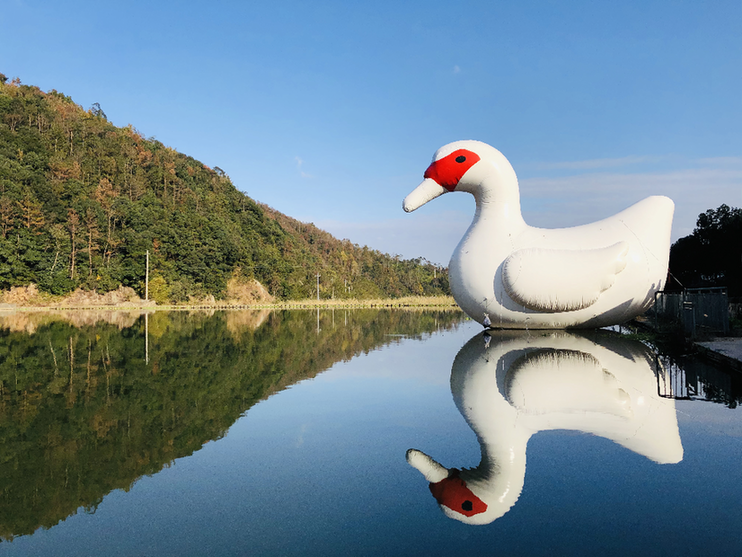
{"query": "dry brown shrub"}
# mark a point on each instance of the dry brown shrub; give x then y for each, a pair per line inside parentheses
(241, 291)
(23, 296)
(121, 296)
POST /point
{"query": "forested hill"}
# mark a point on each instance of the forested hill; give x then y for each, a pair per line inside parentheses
(81, 201)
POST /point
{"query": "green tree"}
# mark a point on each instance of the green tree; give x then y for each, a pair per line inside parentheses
(712, 255)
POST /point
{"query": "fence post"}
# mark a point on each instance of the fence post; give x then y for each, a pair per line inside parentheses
(689, 318)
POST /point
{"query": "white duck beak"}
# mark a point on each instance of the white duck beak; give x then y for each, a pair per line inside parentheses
(428, 467)
(426, 191)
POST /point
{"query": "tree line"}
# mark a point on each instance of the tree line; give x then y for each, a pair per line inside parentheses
(82, 201)
(712, 254)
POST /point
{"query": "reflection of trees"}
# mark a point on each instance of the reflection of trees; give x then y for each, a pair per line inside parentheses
(81, 413)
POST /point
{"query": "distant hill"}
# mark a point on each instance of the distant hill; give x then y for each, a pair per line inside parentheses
(81, 201)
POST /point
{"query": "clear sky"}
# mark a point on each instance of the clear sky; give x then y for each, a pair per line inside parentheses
(330, 111)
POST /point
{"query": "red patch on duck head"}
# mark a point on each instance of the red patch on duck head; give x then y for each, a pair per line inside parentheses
(452, 492)
(448, 171)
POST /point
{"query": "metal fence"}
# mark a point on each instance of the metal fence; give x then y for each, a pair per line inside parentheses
(698, 311)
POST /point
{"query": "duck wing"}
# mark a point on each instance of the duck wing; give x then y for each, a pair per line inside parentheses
(554, 280)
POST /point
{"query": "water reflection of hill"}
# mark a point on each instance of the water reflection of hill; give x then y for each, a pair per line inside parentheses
(82, 413)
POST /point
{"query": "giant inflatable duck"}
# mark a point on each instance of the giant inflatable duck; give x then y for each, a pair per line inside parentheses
(516, 384)
(506, 274)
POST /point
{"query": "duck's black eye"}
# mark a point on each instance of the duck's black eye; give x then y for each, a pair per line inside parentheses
(460, 158)
(467, 505)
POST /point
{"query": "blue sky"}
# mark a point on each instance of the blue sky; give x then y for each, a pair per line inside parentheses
(330, 111)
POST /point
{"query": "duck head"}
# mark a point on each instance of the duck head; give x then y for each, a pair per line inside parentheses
(460, 494)
(470, 166)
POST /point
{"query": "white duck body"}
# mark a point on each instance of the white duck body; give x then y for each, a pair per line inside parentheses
(519, 276)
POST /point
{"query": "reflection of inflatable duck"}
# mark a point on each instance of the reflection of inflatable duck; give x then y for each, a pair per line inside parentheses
(517, 384)
(588, 276)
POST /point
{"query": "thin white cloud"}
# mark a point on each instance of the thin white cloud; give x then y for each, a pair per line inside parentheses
(456, 69)
(695, 181)
(722, 161)
(572, 200)
(299, 164)
(597, 163)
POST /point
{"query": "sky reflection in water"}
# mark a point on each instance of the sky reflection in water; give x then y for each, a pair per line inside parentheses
(319, 468)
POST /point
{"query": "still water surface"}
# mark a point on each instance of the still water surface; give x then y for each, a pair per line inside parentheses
(289, 433)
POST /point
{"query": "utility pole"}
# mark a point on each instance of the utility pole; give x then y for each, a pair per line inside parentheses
(146, 337)
(146, 280)
(318, 275)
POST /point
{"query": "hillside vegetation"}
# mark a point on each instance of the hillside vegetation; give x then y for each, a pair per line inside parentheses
(82, 201)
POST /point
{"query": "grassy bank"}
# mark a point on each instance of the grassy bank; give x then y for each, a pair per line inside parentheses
(37, 303)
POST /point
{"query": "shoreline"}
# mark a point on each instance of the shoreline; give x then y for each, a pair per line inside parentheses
(445, 303)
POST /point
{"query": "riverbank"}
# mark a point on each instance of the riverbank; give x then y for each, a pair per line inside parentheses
(29, 318)
(125, 301)
(723, 350)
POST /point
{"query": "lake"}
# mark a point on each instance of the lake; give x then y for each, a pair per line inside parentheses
(363, 432)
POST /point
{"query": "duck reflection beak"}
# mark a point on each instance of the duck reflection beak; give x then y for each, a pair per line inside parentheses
(428, 467)
(426, 191)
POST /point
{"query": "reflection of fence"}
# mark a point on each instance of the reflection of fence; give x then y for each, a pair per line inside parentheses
(695, 310)
(673, 383)
(695, 381)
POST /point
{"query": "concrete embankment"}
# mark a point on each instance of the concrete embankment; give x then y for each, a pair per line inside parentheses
(727, 351)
